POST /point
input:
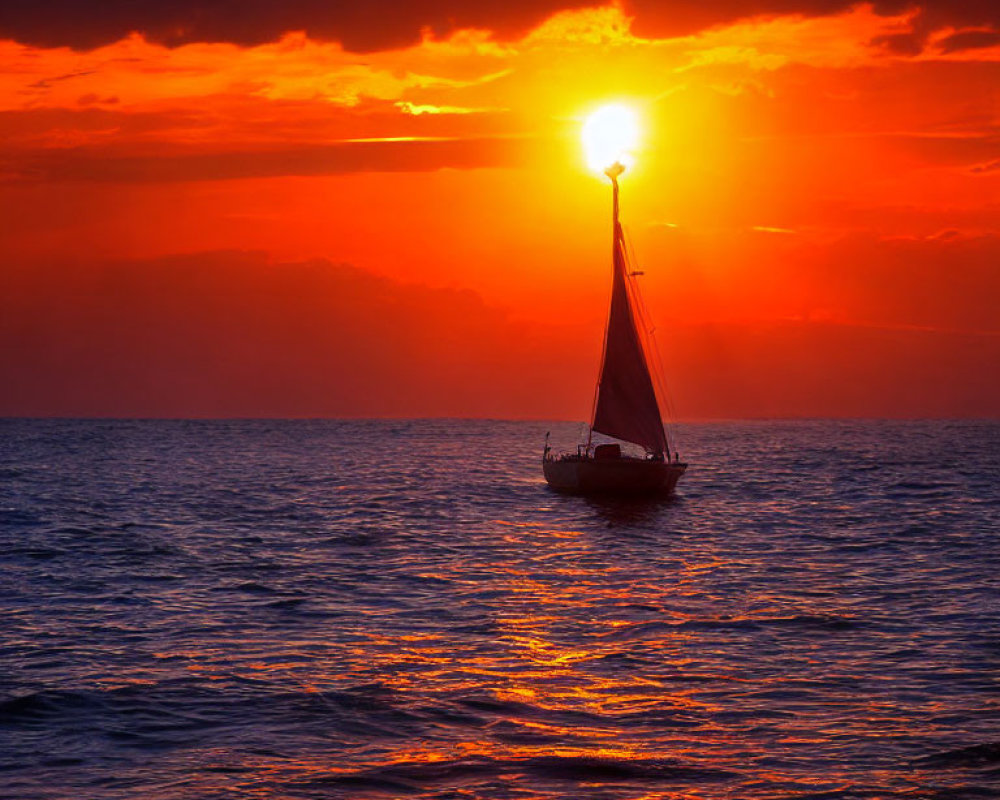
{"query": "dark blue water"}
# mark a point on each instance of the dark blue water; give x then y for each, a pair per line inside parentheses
(322, 609)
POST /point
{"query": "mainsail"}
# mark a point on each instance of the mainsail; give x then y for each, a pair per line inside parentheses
(626, 406)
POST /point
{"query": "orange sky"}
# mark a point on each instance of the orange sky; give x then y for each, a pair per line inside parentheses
(254, 219)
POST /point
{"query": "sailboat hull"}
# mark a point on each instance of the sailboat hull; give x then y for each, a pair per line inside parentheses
(622, 476)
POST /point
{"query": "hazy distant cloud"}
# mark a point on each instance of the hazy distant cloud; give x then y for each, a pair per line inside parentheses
(384, 24)
(945, 282)
(107, 164)
(949, 281)
(949, 150)
(236, 334)
(825, 369)
(46, 125)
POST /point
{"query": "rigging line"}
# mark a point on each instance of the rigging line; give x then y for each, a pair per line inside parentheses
(647, 342)
(650, 338)
(665, 393)
(646, 319)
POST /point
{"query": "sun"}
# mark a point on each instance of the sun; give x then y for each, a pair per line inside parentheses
(610, 134)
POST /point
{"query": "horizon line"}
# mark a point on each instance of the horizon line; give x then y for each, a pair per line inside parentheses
(442, 418)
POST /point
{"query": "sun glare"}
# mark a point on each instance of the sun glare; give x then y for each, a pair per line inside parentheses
(610, 135)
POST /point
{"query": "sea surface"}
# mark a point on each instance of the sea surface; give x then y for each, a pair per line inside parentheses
(192, 610)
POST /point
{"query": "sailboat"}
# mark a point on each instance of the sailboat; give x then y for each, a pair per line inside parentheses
(626, 406)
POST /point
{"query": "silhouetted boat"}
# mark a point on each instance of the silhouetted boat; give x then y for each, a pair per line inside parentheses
(625, 407)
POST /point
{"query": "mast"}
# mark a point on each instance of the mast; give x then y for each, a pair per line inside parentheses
(612, 172)
(625, 405)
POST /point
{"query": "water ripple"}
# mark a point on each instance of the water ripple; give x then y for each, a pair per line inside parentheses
(386, 609)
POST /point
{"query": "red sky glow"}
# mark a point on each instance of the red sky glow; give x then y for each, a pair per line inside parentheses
(316, 209)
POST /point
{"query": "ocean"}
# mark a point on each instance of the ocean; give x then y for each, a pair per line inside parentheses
(401, 609)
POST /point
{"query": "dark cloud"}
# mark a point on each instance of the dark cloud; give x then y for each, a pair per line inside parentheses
(655, 18)
(958, 14)
(969, 40)
(938, 14)
(360, 26)
(47, 82)
(108, 165)
(902, 44)
(383, 24)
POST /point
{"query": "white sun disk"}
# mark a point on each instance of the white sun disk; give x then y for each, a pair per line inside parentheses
(610, 135)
